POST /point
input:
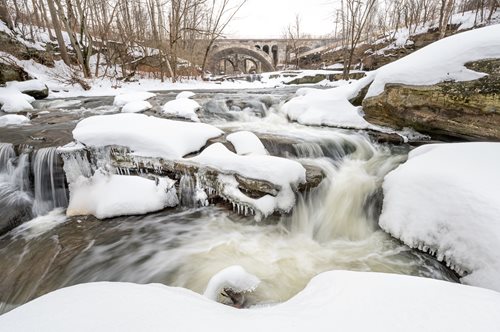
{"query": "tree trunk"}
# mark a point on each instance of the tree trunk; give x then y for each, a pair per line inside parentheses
(57, 30)
(4, 14)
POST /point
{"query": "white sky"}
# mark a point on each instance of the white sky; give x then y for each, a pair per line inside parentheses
(268, 18)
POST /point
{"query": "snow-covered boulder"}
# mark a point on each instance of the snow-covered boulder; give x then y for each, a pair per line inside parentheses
(345, 301)
(185, 95)
(229, 286)
(136, 106)
(246, 142)
(183, 108)
(329, 107)
(449, 87)
(145, 135)
(34, 88)
(13, 119)
(13, 101)
(446, 200)
(125, 98)
(106, 196)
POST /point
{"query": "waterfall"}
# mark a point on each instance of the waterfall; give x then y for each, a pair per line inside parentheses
(50, 184)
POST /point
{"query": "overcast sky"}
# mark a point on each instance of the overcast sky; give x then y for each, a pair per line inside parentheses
(268, 18)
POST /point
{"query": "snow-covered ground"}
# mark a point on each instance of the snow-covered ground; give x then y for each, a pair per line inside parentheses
(340, 300)
(446, 200)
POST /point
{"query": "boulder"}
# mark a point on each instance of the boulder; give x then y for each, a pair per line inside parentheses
(468, 110)
(9, 72)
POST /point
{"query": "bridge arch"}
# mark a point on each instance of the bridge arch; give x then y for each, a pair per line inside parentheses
(238, 56)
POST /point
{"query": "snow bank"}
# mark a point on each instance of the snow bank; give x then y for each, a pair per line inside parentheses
(106, 196)
(136, 106)
(283, 173)
(13, 119)
(185, 95)
(328, 107)
(339, 300)
(246, 142)
(126, 98)
(441, 61)
(13, 101)
(446, 199)
(182, 108)
(145, 135)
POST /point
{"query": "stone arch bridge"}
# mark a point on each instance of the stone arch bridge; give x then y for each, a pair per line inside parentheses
(234, 56)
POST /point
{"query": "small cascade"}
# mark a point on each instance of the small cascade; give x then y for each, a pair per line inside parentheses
(15, 198)
(308, 150)
(49, 181)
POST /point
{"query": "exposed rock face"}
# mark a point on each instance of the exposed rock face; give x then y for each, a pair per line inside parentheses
(12, 73)
(460, 110)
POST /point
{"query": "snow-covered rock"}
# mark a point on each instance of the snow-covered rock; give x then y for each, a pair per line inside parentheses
(13, 119)
(145, 135)
(185, 95)
(106, 196)
(13, 101)
(182, 108)
(345, 301)
(125, 98)
(136, 106)
(446, 200)
(441, 61)
(283, 173)
(35, 88)
(235, 279)
(329, 107)
(246, 142)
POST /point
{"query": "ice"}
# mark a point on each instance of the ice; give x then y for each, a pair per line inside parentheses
(283, 173)
(182, 108)
(145, 135)
(346, 301)
(136, 106)
(123, 99)
(441, 61)
(106, 196)
(446, 200)
(13, 119)
(246, 142)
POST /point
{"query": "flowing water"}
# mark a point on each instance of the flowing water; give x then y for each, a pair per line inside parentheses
(332, 227)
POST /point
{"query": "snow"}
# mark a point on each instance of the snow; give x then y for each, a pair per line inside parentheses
(234, 277)
(13, 101)
(106, 196)
(285, 174)
(246, 142)
(182, 108)
(441, 61)
(30, 85)
(125, 98)
(446, 200)
(13, 119)
(185, 95)
(136, 106)
(342, 300)
(145, 135)
(329, 107)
